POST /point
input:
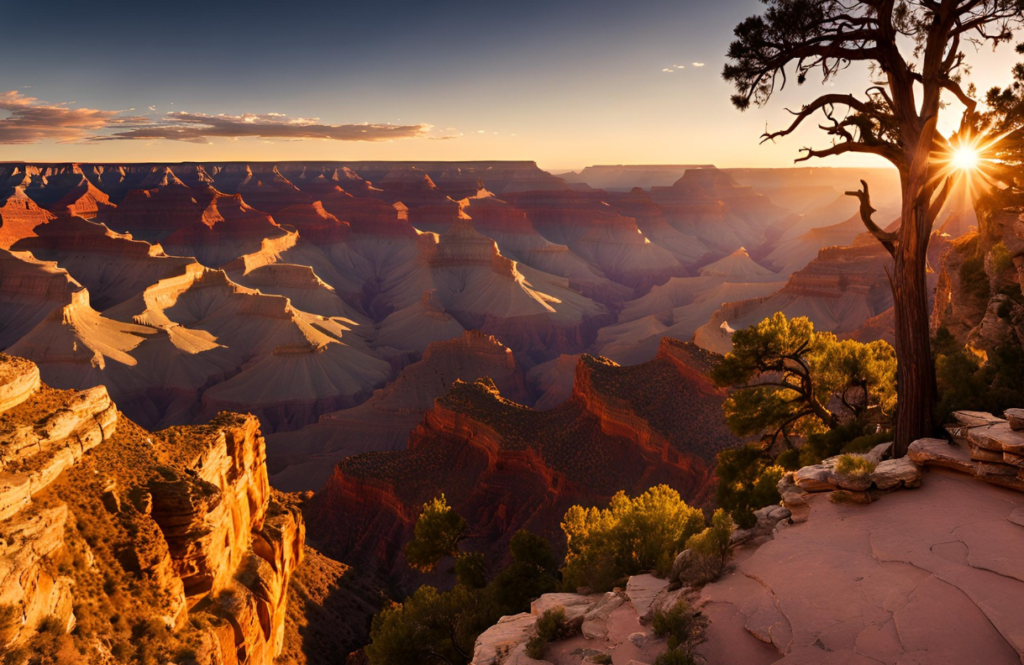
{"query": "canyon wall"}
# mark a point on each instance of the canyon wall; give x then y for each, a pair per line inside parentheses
(122, 544)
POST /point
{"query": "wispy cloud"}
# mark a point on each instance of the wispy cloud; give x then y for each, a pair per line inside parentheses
(698, 64)
(679, 66)
(32, 121)
(200, 128)
(669, 70)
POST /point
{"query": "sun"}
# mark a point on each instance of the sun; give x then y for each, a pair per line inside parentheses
(966, 158)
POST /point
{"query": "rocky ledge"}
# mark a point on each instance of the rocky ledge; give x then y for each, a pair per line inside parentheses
(930, 576)
(613, 625)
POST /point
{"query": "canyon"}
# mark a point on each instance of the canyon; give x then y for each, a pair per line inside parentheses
(519, 341)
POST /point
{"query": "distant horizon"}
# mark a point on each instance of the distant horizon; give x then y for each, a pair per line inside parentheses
(554, 171)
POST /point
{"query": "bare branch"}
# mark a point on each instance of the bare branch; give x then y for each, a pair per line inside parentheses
(887, 239)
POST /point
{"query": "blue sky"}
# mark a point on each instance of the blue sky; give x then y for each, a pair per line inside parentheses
(563, 82)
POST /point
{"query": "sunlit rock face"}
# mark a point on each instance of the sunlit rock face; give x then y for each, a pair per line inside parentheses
(187, 517)
(845, 290)
(19, 217)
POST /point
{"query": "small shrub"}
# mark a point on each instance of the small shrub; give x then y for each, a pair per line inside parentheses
(854, 466)
(675, 657)
(788, 460)
(973, 278)
(709, 551)
(864, 444)
(550, 627)
(684, 629)
(50, 624)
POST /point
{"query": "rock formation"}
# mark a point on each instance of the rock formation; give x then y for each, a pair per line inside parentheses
(137, 540)
(303, 460)
(505, 466)
(841, 290)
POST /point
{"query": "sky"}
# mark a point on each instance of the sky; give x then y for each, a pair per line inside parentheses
(566, 83)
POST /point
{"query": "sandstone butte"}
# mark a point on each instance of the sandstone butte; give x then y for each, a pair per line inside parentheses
(110, 528)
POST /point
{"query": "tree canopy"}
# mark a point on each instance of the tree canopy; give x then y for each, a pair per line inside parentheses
(437, 534)
(791, 380)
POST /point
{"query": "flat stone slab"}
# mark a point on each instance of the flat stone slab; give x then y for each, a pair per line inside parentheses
(641, 590)
(930, 576)
(938, 452)
(976, 418)
(998, 437)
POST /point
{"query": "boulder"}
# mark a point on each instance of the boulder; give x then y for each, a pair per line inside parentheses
(502, 638)
(976, 418)
(894, 473)
(574, 605)
(595, 620)
(641, 590)
(816, 478)
(1016, 419)
(794, 499)
(824, 478)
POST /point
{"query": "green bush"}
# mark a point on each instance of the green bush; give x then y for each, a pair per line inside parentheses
(684, 628)
(709, 548)
(854, 466)
(848, 438)
(471, 570)
(675, 657)
(747, 480)
(550, 627)
(788, 460)
(607, 545)
(974, 380)
(974, 279)
(437, 534)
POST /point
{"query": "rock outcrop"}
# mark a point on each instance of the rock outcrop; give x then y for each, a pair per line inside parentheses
(137, 540)
(609, 627)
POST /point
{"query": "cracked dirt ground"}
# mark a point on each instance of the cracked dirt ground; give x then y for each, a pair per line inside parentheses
(930, 576)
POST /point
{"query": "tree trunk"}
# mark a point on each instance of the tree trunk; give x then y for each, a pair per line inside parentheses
(915, 374)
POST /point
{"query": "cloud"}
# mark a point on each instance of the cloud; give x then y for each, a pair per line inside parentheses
(668, 71)
(200, 128)
(31, 121)
(679, 66)
(698, 64)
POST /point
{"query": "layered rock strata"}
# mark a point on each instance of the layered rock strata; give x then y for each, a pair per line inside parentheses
(109, 528)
